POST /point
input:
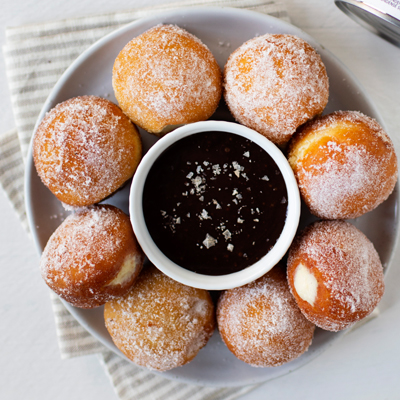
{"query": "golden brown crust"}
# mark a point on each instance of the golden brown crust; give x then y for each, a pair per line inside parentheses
(160, 324)
(274, 83)
(166, 77)
(261, 323)
(347, 270)
(83, 259)
(85, 149)
(344, 163)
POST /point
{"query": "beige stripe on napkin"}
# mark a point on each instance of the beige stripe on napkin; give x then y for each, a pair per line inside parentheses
(12, 173)
(134, 383)
(35, 57)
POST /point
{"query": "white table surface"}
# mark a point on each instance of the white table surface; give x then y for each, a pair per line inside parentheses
(365, 364)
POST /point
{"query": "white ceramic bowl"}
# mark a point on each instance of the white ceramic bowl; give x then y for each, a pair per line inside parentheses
(219, 282)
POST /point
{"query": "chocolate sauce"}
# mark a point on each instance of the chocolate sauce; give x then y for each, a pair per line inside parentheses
(215, 203)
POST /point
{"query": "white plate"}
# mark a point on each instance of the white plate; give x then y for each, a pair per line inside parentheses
(222, 30)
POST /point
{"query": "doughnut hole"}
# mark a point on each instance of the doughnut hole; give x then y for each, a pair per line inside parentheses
(92, 257)
(261, 324)
(274, 83)
(160, 323)
(344, 163)
(335, 274)
(85, 149)
(166, 77)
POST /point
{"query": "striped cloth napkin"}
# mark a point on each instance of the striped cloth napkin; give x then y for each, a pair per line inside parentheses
(35, 57)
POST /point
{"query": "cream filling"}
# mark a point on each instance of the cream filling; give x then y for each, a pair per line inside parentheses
(305, 284)
(127, 270)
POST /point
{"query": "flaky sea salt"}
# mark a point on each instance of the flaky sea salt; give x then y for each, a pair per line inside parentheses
(209, 241)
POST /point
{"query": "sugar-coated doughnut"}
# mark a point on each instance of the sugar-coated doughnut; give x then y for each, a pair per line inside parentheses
(160, 323)
(166, 77)
(274, 83)
(92, 257)
(345, 164)
(84, 149)
(335, 274)
(261, 323)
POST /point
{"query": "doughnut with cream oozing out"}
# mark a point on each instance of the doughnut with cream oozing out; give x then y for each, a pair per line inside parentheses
(261, 323)
(92, 257)
(85, 149)
(335, 274)
(160, 323)
(345, 164)
(274, 83)
(166, 77)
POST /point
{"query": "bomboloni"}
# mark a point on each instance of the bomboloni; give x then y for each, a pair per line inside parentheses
(92, 257)
(166, 77)
(335, 274)
(274, 83)
(160, 324)
(85, 149)
(345, 164)
(261, 323)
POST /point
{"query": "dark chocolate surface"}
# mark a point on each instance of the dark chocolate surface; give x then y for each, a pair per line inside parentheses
(215, 203)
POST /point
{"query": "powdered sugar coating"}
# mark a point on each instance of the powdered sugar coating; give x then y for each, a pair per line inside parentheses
(345, 164)
(166, 77)
(274, 83)
(261, 323)
(85, 149)
(86, 254)
(348, 271)
(160, 324)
